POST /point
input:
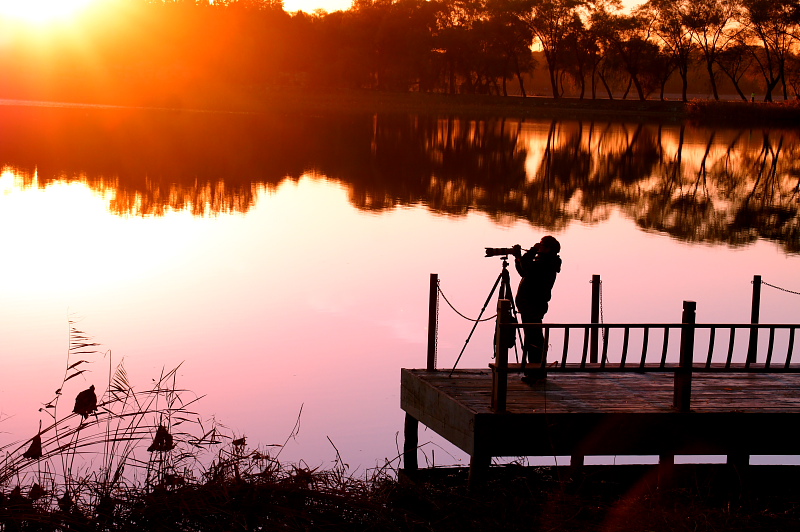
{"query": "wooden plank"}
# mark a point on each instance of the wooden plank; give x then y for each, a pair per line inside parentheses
(437, 410)
(585, 413)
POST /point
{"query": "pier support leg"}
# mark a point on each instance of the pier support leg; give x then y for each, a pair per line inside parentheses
(666, 470)
(410, 444)
(576, 463)
(738, 473)
(478, 470)
(738, 460)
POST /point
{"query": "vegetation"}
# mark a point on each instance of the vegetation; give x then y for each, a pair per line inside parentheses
(169, 52)
(134, 460)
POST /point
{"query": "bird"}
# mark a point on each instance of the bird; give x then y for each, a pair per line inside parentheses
(162, 441)
(86, 402)
(34, 452)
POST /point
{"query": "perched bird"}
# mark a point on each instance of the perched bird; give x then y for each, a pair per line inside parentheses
(162, 441)
(34, 452)
(86, 402)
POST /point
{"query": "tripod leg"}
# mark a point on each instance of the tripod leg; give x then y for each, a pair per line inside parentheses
(506, 293)
(475, 325)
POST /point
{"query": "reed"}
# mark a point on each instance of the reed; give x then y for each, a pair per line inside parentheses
(145, 460)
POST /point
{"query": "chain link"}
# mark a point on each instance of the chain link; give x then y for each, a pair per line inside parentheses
(460, 314)
(602, 331)
(779, 288)
(436, 336)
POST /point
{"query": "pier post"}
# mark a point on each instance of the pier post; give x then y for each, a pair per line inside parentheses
(433, 320)
(738, 460)
(683, 375)
(755, 308)
(478, 470)
(410, 443)
(500, 373)
(666, 470)
(595, 317)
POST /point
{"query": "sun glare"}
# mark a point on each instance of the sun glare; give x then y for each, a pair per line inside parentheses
(41, 11)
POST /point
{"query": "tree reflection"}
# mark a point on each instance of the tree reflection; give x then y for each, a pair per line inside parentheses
(696, 184)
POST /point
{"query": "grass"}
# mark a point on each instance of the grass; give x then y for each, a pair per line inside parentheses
(141, 460)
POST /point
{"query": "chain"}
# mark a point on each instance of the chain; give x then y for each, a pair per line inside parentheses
(436, 336)
(779, 288)
(460, 314)
(602, 331)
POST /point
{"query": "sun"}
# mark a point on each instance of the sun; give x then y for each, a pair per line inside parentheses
(41, 11)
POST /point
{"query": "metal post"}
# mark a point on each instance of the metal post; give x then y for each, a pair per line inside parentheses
(683, 375)
(755, 308)
(500, 380)
(595, 317)
(433, 320)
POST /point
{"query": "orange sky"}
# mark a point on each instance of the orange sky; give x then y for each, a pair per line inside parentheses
(310, 5)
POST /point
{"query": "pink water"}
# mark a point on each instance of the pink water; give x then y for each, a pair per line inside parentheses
(306, 302)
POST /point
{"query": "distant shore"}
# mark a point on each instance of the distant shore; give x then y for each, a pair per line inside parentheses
(738, 113)
(777, 114)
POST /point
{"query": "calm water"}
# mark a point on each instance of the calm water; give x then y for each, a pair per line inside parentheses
(284, 261)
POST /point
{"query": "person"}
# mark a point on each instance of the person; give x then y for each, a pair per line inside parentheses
(538, 269)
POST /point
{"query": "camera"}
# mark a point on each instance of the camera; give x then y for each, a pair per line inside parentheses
(494, 252)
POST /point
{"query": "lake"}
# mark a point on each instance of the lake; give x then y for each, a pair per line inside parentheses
(283, 261)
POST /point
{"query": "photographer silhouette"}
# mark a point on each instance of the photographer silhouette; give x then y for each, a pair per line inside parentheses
(538, 268)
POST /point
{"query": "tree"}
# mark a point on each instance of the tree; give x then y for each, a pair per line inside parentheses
(771, 24)
(628, 48)
(667, 20)
(603, 28)
(736, 62)
(581, 58)
(709, 22)
(512, 37)
(549, 22)
(793, 74)
(457, 42)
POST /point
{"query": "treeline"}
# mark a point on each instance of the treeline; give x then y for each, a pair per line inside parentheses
(170, 49)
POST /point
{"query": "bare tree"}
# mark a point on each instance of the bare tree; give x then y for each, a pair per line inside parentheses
(667, 20)
(549, 22)
(710, 23)
(770, 24)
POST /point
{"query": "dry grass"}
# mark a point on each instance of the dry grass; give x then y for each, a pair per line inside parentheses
(144, 461)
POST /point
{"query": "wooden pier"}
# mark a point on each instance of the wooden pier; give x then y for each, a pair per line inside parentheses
(650, 393)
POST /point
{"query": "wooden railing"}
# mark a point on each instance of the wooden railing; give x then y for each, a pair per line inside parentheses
(682, 348)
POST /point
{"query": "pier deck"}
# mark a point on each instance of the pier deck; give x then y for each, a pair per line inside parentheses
(579, 413)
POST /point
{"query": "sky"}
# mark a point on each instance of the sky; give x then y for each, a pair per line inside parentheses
(310, 5)
(45, 11)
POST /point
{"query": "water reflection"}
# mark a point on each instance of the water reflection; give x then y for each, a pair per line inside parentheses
(719, 186)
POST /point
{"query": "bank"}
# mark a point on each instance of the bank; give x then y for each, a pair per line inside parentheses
(778, 114)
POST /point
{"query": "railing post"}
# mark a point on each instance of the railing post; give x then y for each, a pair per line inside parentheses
(433, 320)
(595, 318)
(755, 307)
(683, 375)
(500, 374)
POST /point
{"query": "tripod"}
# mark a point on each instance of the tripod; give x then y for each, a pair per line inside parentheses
(504, 282)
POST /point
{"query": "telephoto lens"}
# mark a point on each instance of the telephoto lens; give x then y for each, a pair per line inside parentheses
(493, 252)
